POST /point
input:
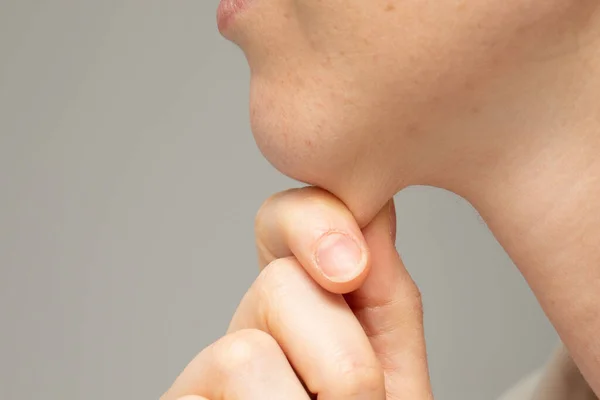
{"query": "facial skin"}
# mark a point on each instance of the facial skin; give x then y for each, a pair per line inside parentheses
(367, 97)
(496, 101)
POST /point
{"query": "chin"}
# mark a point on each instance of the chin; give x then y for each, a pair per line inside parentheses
(302, 132)
(313, 136)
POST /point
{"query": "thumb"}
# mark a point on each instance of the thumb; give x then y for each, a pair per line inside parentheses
(389, 307)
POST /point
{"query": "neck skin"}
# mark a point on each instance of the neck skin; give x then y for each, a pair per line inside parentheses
(535, 179)
(528, 159)
(523, 147)
(543, 206)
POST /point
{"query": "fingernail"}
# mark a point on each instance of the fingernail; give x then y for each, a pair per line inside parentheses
(339, 257)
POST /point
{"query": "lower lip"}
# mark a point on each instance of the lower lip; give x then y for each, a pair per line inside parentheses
(228, 9)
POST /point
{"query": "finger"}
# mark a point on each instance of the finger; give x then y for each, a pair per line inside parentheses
(192, 398)
(389, 307)
(317, 331)
(319, 231)
(248, 364)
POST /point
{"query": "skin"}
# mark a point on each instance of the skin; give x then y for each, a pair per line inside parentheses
(365, 98)
(495, 101)
(368, 344)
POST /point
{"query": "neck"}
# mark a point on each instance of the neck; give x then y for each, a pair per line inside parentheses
(538, 189)
(524, 148)
(546, 214)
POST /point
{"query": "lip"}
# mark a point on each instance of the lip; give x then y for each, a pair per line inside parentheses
(227, 10)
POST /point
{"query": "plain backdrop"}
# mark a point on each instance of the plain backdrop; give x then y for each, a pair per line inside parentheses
(129, 181)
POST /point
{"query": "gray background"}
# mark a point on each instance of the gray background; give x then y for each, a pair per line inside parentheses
(129, 182)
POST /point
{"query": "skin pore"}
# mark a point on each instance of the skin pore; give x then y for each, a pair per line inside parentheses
(497, 101)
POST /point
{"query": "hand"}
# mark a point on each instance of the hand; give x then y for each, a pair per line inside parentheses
(293, 336)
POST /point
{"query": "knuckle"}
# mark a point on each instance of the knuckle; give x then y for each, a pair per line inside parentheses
(278, 284)
(259, 219)
(318, 195)
(274, 281)
(242, 350)
(309, 195)
(278, 275)
(359, 378)
(415, 300)
(267, 206)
